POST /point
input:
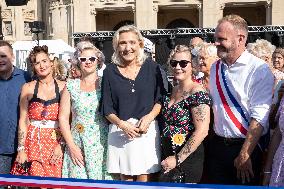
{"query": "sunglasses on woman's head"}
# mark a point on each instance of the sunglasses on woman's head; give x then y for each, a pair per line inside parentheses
(182, 63)
(91, 59)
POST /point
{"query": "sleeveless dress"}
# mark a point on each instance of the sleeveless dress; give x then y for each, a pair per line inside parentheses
(89, 131)
(43, 135)
(277, 176)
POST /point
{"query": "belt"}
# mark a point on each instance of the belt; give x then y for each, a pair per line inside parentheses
(44, 123)
(40, 124)
(229, 141)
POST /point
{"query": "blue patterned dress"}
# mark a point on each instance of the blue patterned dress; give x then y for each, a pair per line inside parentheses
(89, 131)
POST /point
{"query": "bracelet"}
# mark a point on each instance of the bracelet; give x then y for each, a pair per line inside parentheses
(20, 148)
(266, 172)
(177, 160)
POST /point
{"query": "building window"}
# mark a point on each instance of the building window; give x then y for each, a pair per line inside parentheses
(27, 29)
(8, 28)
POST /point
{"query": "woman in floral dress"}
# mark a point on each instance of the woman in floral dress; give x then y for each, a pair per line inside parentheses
(185, 119)
(86, 139)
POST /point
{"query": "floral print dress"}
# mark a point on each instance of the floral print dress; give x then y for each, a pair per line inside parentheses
(89, 131)
(177, 122)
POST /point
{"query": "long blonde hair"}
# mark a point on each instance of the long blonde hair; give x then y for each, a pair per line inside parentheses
(116, 59)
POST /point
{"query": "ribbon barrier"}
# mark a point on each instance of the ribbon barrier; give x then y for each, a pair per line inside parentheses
(48, 182)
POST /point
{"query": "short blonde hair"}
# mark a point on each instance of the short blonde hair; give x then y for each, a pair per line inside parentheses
(261, 48)
(179, 49)
(116, 59)
(86, 45)
(209, 48)
(238, 23)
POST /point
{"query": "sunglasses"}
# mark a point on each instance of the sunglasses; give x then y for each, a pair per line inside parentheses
(182, 63)
(91, 59)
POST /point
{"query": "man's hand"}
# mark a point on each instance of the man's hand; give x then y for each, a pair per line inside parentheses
(244, 168)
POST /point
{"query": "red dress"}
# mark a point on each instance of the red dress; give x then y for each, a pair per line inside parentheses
(43, 136)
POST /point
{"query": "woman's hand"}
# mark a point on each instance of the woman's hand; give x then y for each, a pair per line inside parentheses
(76, 155)
(144, 123)
(130, 129)
(21, 157)
(169, 163)
(57, 155)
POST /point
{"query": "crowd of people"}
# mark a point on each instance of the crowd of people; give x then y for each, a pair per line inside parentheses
(124, 120)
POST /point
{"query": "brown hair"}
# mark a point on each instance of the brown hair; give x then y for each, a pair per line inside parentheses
(32, 56)
(36, 50)
(279, 51)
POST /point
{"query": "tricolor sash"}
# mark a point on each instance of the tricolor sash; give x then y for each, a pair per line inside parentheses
(231, 106)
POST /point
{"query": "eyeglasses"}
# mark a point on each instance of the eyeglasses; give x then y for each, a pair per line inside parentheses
(91, 59)
(182, 63)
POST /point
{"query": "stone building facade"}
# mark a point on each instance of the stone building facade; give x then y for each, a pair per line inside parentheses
(64, 17)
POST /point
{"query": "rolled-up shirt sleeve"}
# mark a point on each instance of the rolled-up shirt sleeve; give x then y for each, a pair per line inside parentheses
(107, 105)
(261, 95)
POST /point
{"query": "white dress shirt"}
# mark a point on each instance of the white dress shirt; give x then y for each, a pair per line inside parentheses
(250, 82)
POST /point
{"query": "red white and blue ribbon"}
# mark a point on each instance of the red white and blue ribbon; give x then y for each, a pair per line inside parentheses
(63, 183)
(231, 106)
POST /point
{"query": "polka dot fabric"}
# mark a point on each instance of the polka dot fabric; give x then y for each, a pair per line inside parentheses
(41, 142)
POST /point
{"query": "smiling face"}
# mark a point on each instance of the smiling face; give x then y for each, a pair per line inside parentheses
(42, 65)
(88, 61)
(179, 71)
(6, 59)
(206, 60)
(278, 61)
(226, 38)
(128, 47)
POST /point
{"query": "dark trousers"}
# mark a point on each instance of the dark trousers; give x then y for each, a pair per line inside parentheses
(221, 156)
(6, 161)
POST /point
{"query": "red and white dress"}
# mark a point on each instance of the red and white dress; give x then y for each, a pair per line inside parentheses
(43, 135)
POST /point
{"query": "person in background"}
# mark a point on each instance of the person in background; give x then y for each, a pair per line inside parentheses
(206, 57)
(74, 70)
(11, 81)
(86, 135)
(39, 138)
(278, 64)
(273, 174)
(195, 45)
(262, 49)
(241, 105)
(60, 71)
(195, 42)
(131, 90)
(185, 119)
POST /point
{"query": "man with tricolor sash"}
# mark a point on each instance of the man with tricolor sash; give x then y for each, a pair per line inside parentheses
(241, 87)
